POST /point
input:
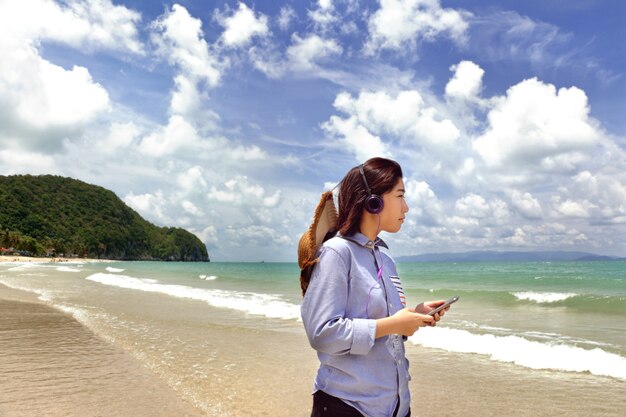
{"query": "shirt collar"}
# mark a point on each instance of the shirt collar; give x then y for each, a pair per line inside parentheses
(361, 239)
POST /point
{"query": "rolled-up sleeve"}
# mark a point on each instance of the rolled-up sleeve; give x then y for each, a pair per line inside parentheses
(324, 310)
(364, 336)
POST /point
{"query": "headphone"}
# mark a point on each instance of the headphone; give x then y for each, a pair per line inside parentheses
(374, 203)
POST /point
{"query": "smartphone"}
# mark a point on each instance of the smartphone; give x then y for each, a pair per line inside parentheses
(444, 305)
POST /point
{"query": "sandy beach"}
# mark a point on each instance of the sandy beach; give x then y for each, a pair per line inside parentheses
(10, 258)
(50, 365)
(151, 354)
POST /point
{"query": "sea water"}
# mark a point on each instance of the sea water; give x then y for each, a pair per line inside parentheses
(184, 321)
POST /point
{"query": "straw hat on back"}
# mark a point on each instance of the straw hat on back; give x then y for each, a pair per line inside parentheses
(324, 227)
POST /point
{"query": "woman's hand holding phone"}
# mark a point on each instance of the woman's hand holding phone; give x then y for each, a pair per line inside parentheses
(436, 309)
(407, 321)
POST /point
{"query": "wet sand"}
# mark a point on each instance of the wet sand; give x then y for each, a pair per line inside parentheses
(51, 365)
(457, 385)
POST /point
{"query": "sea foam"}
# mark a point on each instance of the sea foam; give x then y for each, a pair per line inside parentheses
(42, 295)
(543, 297)
(111, 269)
(22, 266)
(68, 269)
(207, 277)
(267, 305)
(524, 352)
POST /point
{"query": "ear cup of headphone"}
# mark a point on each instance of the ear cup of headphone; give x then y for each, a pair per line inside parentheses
(374, 204)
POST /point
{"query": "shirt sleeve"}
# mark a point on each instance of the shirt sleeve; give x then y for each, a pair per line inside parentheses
(324, 310)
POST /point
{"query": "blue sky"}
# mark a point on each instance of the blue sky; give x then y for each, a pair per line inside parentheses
(230, 118)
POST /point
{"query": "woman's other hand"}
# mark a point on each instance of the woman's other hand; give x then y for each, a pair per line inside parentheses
(404, 322)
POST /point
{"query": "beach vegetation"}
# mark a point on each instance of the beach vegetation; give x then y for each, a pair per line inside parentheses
(55, 216)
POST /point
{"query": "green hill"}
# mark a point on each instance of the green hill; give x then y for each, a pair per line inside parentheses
(47, 213)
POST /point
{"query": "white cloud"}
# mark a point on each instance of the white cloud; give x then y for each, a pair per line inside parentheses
(535, 126)
(269, 60)
(178, 133)
(599, 197)
(182, 43)
(501, 213)
(466, 84)
(399, 24)
(179, 40)
(325, 4)
(423, 203)
(355, 138)
(192, 180)
(286, 16)
(461, 224)
(608, 191)
(150, 205)
(323, 16)
(257, 235)
(240, 191)
(186, 97)
(544, 235)
(194, 196)
(119, 136)
(180, 137)
(242, 26)
(463, 95)
(110, 26)
(46, 95)
(94, 24)
(526, 204)
(405, 116)
(507, 35)
(304, 53)
(209, 236)
(17, 161)
(472, 205)
(304, 56)
(519, 238)
(479, 213)
(192, 125)
(191, 208)
(571, 208)
(459, 173)
(40, 100)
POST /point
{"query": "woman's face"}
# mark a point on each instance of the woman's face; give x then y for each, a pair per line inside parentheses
(392, 216)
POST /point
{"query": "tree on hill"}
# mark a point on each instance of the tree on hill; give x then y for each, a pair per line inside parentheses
(69, 216)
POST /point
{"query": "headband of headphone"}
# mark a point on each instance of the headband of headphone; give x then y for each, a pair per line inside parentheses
(374, 203)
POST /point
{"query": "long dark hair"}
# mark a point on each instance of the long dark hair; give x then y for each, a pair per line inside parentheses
(382, 175)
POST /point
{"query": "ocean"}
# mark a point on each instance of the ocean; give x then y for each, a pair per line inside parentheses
(225, 335)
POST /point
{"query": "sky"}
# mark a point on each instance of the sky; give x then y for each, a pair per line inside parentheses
(230, 118)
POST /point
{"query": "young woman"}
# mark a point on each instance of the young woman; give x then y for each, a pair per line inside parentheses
(353, 310)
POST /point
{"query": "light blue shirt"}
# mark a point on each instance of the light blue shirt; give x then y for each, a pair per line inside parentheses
(343, 300)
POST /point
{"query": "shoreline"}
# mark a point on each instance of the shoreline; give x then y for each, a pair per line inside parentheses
(44, 259)
(57, 366)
